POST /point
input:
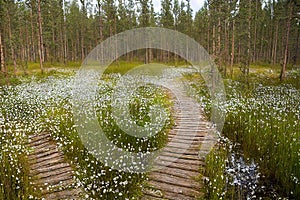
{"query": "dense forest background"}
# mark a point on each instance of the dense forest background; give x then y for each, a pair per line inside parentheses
(234, 32)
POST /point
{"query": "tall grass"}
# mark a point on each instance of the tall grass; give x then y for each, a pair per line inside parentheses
(101, 181)
(213, 175)
(15, 182)
(44, 104)
(263, 120)
(267, 127)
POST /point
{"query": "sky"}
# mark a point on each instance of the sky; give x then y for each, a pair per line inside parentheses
(195, 5)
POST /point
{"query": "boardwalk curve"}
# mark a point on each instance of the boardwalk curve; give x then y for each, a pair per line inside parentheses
(175, 169)
(176, 179)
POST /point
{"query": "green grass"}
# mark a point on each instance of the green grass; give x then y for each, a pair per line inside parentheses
(52, 111)
(213, 175)
(90, 171)
(51, 68)
(14, 171)
(263, 120)
(34, 67)
(122, 67)
(33, 71)
(262, 116)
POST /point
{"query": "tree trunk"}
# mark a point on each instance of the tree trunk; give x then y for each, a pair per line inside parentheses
(226, 38)
(12, 49)
(239, 51)
(214, 41)
(219, 36)
(208, 33)
(288, 28)
(83, 29)
(52, 49)
(232, 50)
(32, 41)
(100, 21)
(116, 41)
(146, 61)
(65, 44)
(82, 45)
(274, 58)
(2, 62)
(255, 32)
(295, 57)
(40, 35)
(64, 33)
(261, 45)
(249, 39)
(27, 50)
(61, 45)
(23, 49)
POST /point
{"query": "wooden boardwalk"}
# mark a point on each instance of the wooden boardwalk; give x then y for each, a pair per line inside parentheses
(49, 170)
(174, 171)
(178, 165)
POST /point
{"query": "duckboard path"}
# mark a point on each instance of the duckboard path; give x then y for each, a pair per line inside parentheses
(176, 169)
(49, 170)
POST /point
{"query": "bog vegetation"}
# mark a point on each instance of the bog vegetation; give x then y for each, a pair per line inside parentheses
(254, 43)
(46, 105)
(258, 154)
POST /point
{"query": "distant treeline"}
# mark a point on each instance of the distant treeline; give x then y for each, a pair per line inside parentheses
(233, 31)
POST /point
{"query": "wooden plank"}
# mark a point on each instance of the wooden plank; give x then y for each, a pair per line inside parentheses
(51, 162)
(66, 170)
(174, 196)
(193, 168)
(179, 160)
(41, 146)
(191, 147)
(165, 187)
(45, 169)
(65, 194)
(180, 151)
(54, 180)
(42, 154)
(43, 150)
(64, 185)
(174, 180)
(39, 141)
(185, 145)
(44, 158)
(38, 136)
(178, 172)
(188, 157)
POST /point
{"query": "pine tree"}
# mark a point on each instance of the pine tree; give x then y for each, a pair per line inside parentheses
(40, 36)
(176, 13)
(166, 16)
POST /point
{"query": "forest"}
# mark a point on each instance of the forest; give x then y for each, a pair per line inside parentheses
(233, 32)
(151, 124)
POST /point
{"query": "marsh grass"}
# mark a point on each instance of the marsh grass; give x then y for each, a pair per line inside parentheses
(213, 175)
(44, 104)
(33, 72)
(262, 117)
(100, 181)
(15, 182)
(122, 67)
